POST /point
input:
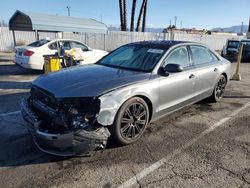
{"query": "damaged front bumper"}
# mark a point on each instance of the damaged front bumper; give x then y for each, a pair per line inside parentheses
(70, 143)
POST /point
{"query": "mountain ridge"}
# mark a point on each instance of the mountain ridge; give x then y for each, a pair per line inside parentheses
(232, 29)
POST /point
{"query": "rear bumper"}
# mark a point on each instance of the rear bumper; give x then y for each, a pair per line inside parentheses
(29, 62)
(66, 144)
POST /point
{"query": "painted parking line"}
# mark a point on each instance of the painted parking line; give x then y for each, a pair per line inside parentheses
(10, 113)
(135, 179)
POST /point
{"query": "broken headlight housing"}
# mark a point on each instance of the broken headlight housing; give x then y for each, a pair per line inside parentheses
(81, 112)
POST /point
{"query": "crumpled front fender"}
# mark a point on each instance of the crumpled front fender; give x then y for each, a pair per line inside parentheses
(108, 109)
(112, 101)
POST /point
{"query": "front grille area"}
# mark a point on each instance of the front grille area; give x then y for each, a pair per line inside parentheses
(43, 96)
(45, 106)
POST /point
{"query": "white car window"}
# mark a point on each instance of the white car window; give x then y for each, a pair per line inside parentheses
(53, 46)
(79, 45)
(65, 44)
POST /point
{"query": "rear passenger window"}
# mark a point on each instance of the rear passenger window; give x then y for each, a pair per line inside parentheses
(53, 46)
(178, 56)
(201, 55)
(66, 45)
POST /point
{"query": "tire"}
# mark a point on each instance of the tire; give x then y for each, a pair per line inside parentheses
(130, 121)
(219, 89)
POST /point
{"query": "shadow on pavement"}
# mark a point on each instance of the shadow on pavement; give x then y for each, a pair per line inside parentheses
(14, 85)
(10, 102)
(5, 60)
(237, 97)
(13, 69)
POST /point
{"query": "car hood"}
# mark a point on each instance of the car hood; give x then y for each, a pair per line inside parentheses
(88, 80)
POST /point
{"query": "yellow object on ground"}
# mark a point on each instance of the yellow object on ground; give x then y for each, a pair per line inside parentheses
(51, 64)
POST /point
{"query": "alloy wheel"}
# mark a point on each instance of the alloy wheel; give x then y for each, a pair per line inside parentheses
(133, 121)
(220, 88)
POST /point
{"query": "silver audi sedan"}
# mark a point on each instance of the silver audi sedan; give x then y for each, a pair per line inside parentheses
(76, 110)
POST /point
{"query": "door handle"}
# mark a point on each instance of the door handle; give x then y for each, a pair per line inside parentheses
(215, 69)
(191, 76)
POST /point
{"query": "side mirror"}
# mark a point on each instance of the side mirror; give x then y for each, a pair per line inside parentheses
(85, 49)
(170, 68)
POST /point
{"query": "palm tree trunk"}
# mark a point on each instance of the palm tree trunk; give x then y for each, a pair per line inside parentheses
(140, 15)
(133, 16)
(124, 15)
(121, 14)
(144, 16)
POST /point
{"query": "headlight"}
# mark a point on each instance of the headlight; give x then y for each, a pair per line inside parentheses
(80, 112)
(82, 121)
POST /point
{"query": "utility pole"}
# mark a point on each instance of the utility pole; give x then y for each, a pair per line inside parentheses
(101, 17)
(175, 20)
(181, 25)
(241, 28)
(248, 31)
(68, 10)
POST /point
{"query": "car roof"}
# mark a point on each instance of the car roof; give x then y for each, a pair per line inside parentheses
(64, 40)
(245, 40)
(236, 40)
(164, 44)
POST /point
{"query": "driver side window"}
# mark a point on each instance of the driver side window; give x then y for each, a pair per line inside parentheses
(178, 56)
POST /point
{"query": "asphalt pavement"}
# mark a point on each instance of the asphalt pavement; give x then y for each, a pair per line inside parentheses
(202, 145)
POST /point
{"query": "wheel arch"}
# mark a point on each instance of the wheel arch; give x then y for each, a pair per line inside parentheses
(111, 104)
(225, 74)
(149, 103)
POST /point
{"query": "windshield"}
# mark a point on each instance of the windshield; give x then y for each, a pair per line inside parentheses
(233, 44)
(38, 43)
(134, 57)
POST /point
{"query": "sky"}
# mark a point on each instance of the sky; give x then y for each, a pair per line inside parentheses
(201, 14)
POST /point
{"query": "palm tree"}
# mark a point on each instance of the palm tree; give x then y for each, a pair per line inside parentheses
(132, 16)
(140, 15)
(121, 14)
(144, 16)
(124, 15)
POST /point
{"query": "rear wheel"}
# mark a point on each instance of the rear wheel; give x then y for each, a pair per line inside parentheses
(130, 121)
(219, 89)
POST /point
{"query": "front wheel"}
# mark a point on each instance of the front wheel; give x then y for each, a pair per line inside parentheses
(130, 121)
(219, 89)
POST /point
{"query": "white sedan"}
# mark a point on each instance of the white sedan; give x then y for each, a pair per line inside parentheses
(31, 56)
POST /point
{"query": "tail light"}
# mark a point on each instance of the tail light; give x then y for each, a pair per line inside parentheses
(28, 53)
